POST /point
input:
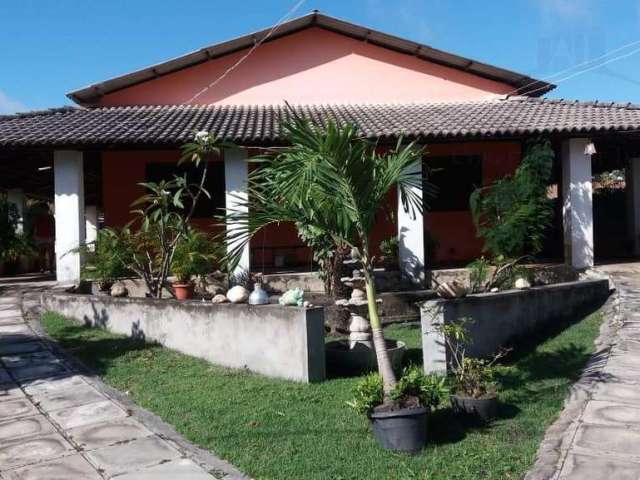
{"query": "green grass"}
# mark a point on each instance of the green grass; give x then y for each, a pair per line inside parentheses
(273, 429)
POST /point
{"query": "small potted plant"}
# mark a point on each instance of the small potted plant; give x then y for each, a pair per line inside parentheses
(389, 249)
(194, 255)
(401, 424)
(475, 391)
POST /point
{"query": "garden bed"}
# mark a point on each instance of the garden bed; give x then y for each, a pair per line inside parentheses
(275, 429)
(278, 341)
(502, 319)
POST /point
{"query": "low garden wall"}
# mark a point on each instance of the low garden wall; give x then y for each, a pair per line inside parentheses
(503, 318)
(278, 341)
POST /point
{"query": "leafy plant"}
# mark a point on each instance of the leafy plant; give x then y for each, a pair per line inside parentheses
(389, 247)
(414, 388)
(512, 213)
(500, 273)
(368, 394)
(194, 255)
(332, 180)
(473, 377)
(163, 216)
(106, 259)
(13, 244)
(326, 253)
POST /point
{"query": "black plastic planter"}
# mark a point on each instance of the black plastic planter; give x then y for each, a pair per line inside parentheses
(480, 409)
(402, 430)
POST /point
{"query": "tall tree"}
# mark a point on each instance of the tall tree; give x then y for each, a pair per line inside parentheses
(333, 181)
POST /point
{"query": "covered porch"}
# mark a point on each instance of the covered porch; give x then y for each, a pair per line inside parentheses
(84, 163)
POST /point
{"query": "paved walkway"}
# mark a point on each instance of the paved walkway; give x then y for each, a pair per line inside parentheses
(56, 423)
(598, 433)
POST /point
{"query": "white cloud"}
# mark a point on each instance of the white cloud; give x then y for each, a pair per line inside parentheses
(568, 9)
(10, 105)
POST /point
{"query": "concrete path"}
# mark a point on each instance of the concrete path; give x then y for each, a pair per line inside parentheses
(57, 423)
(598, 434)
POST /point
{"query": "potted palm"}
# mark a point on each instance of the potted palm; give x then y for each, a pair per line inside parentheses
(334, 181)
(475, 391)
(403, 429)
(193, 256)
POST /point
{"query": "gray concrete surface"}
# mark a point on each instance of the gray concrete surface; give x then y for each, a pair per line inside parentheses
(497, 320)
(277, 341)
(597, 436)
(58, 422)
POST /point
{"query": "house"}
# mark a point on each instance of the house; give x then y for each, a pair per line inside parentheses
(473, 118)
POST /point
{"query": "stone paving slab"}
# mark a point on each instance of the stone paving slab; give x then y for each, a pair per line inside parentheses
(10, 391)
(87, 414)
(38, 371)
(53, 385)
(23, 347)
(7, 331)
(73, 467)
(11, 313)
(132, 456)
(73, 396)
(28, 358)
(183, 469)
(56, 424)
(588, 467)
(98, 435)
(610, 413)
(13, 429)
(617, 392)
(21, 407)
(29, 450)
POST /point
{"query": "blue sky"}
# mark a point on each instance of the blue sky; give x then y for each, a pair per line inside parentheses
(50, 47)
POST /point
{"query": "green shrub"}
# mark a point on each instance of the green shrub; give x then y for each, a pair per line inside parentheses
(513, 213)
(389, 247)
(428, 389)
(13, 244)
(194, 255)
(107, 258)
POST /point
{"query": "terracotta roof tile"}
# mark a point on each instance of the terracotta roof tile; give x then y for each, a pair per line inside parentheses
(172, 125)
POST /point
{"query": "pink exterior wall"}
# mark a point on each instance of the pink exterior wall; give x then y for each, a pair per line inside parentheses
(312, 66)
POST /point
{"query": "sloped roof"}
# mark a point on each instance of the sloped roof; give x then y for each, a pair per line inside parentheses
(523, 84)
(260, 125)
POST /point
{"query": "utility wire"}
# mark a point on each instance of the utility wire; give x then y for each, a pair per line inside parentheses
(573, 67)
(251, 50)
(594, 67)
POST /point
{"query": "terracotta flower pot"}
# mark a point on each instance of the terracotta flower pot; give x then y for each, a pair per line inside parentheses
(184, 291)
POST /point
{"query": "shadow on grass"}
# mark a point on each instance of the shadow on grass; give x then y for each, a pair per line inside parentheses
(97, 353)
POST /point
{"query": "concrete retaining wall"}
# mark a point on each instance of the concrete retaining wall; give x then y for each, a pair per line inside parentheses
(503, 318)
(283, 342)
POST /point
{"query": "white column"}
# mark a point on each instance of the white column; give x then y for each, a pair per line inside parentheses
(577, 203)
(16, 197)
(235, 177)
(411, 240)
(91, 224)
(69, 213)
(632, 179)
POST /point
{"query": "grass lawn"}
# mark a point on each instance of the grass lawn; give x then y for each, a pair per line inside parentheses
(274, 429)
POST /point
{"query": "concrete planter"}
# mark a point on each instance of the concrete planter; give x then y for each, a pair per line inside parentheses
(277, 341)
(504, 318)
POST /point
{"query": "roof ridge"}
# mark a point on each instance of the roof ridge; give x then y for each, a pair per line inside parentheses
(41, 112)
(577, 102)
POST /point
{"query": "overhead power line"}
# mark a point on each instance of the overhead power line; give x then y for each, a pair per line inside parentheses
(251, 50)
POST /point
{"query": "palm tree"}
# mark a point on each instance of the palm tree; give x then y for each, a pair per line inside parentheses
(335, 182)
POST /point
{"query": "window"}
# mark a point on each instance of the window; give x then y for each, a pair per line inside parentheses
(214, 183)
(456, 177)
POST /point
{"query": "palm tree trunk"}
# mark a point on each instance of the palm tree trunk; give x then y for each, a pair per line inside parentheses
(384, 362)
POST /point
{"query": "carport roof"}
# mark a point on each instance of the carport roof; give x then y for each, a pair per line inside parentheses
(261, 125)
